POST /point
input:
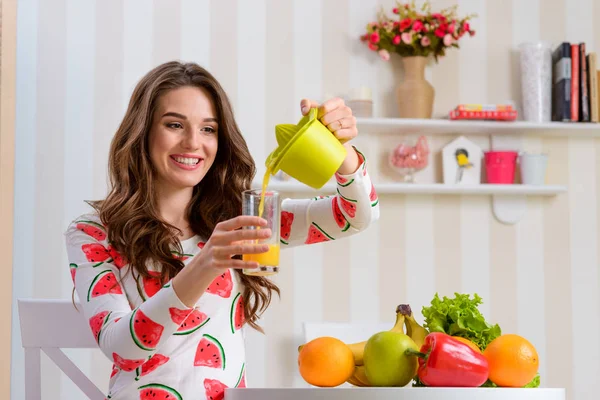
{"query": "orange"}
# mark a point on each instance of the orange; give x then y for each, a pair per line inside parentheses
(468, 343)
(325, 362)
(513, 361)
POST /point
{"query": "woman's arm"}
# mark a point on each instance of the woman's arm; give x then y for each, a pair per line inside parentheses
(320, 219)
(127, 336)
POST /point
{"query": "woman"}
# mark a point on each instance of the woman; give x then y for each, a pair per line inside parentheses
(156, 265)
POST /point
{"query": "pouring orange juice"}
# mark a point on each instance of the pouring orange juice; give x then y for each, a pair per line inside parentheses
(309, 153)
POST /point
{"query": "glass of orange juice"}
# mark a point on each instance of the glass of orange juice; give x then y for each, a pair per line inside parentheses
(268, 263)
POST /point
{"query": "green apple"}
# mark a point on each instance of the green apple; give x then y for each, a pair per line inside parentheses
(386, 363)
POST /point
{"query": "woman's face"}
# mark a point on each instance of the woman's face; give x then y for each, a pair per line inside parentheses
(183, 138)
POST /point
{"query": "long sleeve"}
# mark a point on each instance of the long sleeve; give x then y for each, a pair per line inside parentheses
(350, 210)
(127, 336)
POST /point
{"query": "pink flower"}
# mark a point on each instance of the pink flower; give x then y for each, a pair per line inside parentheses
(418, 26)
(396, 40)
(439, 16)
(405, 23)
(375, 37)
(407, 37)
(466, 26)
(448, 39)
(441, 31)
(373, 47)
(395, 11)
(425, 41)
(384, 54)
(451, 27)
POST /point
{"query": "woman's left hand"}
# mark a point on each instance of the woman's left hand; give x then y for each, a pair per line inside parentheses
(335, 115)
(338, 118)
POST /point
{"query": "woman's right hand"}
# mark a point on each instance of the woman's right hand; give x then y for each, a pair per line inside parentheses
(226, 241)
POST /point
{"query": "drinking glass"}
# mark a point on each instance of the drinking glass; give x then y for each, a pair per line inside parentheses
(268, 263)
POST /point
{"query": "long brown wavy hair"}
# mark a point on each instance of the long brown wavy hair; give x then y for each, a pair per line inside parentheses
(130, 211)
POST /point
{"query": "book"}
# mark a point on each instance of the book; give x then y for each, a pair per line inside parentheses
(584, 99)
(592, 62)
(575, 82)
(561, 83)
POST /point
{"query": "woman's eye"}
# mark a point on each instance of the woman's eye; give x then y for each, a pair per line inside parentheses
(209, 129)
(174, 125)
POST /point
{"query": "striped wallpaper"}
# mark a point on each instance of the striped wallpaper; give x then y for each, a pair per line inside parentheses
(77, 63)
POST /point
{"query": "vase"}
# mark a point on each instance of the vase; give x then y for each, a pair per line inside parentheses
(415, 94)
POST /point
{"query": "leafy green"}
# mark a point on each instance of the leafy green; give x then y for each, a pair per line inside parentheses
(535, 382)
(459, 316)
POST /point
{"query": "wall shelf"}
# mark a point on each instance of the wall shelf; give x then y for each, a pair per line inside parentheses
(404, 126)
(424, 188)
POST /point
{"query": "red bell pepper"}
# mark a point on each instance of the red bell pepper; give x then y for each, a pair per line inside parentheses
(445, 361)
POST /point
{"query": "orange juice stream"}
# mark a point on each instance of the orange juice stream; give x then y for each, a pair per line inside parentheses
(271, 257)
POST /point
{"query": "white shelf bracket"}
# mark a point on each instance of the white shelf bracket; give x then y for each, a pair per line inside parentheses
(509, 209)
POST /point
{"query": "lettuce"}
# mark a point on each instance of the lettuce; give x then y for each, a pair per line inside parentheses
(460, 316)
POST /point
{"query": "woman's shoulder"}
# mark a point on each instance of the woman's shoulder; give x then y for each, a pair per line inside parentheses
(87, 223)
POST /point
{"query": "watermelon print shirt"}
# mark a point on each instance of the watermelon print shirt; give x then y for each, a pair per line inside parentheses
(162, 349)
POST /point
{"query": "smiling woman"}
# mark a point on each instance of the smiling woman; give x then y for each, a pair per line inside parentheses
(157, 264)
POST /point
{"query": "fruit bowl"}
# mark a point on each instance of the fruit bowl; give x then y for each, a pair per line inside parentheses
(405, 393)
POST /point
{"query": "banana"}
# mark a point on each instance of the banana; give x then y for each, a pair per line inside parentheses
(361, 375)
(359, 378)
(416, 332)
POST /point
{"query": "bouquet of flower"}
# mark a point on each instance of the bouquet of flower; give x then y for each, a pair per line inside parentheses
(416, 32)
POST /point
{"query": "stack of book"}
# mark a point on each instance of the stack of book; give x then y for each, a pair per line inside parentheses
(575, 84)
(495, 112)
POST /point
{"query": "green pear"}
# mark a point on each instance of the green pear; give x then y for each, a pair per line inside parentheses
(386, 363)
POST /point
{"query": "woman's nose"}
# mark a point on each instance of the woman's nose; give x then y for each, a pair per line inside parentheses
(191, 140)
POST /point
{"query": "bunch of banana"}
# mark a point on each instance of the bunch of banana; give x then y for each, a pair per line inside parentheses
(415, 331)
(404, 319)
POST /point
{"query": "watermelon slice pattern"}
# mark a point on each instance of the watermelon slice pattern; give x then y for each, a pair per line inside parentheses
(104, 283)
(241, 383)
(348, 205)
(214, 389)
(156, 391)
(338, 215)
(127, 365)
(151, 285)
(149, 366)
(373, 196)
(97, 322)
(222, 285)
(210, 353)
(287, 219)
(96, 253)
(92, 229)
(317, 235)
(73, 270)
(236, 314)
(181, 256)
(189, 322)
(145, 333)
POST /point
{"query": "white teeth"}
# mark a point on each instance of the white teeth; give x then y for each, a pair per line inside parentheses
(187, 161)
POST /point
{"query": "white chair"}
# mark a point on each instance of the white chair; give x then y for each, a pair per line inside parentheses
(49, 325)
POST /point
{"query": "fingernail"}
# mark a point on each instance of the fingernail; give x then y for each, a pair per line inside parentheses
(304, 109)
